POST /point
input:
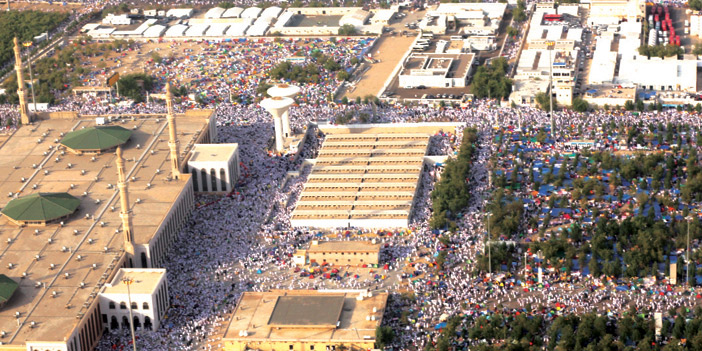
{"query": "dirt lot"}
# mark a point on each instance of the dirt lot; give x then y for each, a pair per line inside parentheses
(389, 51)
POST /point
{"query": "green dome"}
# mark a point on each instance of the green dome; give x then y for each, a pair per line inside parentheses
(7, 288)
(96, 138)
(41, 207)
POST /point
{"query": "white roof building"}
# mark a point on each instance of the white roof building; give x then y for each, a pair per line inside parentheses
(180, 13)
(257, 30)
(602, 67)
(148, 292)
(237, 30)
(234, 12)
(223, 159)
(356, 18)
(658, 74)
(155, 31)
(197, 30)
(177, 30)
(217, 30)
(215, 12)
(271, 12)
(251, 12)
(575, 34)
(383, 16)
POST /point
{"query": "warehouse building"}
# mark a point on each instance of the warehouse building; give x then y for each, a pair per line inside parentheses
(304, 320)
(339, 253)
(614, 11)
(436, 70)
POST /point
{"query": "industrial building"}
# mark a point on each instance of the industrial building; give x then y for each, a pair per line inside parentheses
(614, 11)
(339, 253)
(85, 212)
(436, 70)
(658, 74)
(323, 21)
(304, 320)
(465, 18)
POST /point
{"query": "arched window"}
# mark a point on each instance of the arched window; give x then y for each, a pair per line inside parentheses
(147, 323)
(114, 324)
(125, 322)
(213, 180)
(144, 264)
(145, 306)
(122, 305)
(137, 324)
(195, 183)
(112, 305)
(135, 306)
(222, 179)
(203, 180)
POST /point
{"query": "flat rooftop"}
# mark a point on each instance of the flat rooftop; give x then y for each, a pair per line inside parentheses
(346, 246)
(256, 310)
(144, 281)
(451, 65)
(314, 21)
(32, 153)
(316, 311)
(212, 152)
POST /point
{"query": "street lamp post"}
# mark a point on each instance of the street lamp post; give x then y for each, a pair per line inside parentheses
(489, 246)
(687, 266)
(131, 318)
(550, 45)
(31, 77)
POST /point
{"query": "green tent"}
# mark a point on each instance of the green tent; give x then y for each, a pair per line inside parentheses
(41, 207)
(96, 138)
(7, 288)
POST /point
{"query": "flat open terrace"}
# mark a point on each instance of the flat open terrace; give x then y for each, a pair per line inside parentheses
(61, 267)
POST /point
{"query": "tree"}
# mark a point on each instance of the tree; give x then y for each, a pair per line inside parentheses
(491, 81)
(512, 32)
(542, 99)
(640, 105)
(383, 336)
(347, 29)
(135, 85)
(519, 13)
(24, 25)
(629, 105)
(342, 75)
(580, 105)
(695, 4)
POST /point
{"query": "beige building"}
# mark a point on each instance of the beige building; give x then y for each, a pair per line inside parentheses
(304, 320)
(214, 167)
(62, 267)
(147, 295)
(338, 253)
(615, 11)
(611, 95)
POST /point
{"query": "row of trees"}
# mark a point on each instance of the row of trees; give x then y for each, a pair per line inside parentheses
(586, 332)
(660, 50)
(451, 194)
(309, 73)
(24, 25)
(491, 81)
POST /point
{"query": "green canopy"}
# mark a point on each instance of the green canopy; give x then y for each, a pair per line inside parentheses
(7, 288)
(41, 207)
(96, 138)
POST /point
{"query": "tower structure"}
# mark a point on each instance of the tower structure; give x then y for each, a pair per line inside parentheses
(124, 212)
(284, 91)
(172, 141)
(24, 112)
(278, 106)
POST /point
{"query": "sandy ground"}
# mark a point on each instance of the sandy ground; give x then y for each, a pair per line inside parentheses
(389, 51)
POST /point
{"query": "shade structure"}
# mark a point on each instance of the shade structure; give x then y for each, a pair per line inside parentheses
(7, 289)
(96, 139)
(41, 207)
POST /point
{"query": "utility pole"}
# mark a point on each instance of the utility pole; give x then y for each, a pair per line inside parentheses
(489, 246)
(131, 319)
(550, 45)
(687, 267)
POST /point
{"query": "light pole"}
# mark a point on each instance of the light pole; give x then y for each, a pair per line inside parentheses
(31, 77)
(550, 45)
(131, 319)
(687, 261)
(489, 246)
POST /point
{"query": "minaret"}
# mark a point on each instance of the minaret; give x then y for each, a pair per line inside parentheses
(124, 204)
(24, 113)
(172, 141)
